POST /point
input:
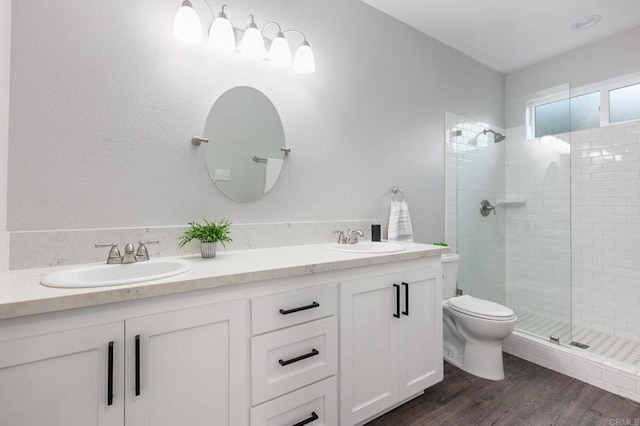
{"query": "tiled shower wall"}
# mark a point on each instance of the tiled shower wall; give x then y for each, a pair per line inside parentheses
(538, 234)
(475, 173)
(568, 259)
(606, 229)
(598, 287)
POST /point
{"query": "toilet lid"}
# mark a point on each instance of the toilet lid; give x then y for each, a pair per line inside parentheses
(481, 308)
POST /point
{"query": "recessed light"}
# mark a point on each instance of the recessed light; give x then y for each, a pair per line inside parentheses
(586, 22)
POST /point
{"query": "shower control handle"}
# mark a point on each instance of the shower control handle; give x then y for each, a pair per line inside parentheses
(486, 208)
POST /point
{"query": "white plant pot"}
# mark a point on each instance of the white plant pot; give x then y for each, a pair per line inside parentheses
(208, 250)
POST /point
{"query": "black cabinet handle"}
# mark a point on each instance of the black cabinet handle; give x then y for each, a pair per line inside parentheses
(110, 375)
(313, 352)
(397, 314)
(138, 365)
(313, 417)
(406, 299)
(302, 308)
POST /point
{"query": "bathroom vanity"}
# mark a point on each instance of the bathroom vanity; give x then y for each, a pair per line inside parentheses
(280, 336)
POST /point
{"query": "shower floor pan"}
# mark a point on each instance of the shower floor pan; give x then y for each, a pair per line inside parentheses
(606, 345)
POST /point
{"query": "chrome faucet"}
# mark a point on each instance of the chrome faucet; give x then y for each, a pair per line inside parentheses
(352, 237)
(341, 238)
(128, 257)
(115, 257)
(142, 254)
(114, 253)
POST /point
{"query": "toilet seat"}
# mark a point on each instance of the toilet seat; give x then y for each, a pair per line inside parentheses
(480, 308)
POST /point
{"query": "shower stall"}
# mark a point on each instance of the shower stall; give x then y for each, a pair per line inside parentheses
(538, 216)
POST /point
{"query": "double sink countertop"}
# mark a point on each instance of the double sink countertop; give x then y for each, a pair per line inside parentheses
(22, 294)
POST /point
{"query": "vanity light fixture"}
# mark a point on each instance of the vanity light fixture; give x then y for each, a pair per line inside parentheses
(304, 61)
(221, 35)
(187, 28)
(279, 52)
(252, 41)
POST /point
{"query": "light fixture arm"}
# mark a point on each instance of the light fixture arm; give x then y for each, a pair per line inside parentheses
(273, 23)
(222, 14)
(304, 38)
(251, 23)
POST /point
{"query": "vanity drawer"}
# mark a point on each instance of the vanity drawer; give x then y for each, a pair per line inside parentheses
(289, 359)
(318, 400)
(293, 307)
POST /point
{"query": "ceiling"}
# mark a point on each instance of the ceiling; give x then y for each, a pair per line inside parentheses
(511, 34)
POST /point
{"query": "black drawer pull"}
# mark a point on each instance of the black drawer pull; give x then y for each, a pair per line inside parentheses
(138, 365)
(110, 375)
(406, 299)
(397, 314)
(302, 308)
(313, 352)
(313, 417)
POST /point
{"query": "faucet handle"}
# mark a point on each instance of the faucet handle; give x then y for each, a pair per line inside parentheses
(342, 239)
(142, 254)
(352, 237)
(114, 253)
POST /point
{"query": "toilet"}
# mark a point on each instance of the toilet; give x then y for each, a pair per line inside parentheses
(473, 328)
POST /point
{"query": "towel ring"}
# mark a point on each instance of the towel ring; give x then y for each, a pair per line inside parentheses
(394, 192)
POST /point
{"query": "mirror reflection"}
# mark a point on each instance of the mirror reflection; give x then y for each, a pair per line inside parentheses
(245, 154)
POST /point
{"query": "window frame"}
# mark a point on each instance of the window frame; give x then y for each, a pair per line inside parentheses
(604, 87)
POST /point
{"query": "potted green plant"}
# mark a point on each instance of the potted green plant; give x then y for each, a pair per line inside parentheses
(209, 234)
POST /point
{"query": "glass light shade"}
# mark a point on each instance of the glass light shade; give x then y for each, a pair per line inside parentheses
(280, 53)
(186, 26)
(221, 35)
(253, 44)
(304, 62)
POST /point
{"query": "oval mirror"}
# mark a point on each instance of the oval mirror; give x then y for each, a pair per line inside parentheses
(245, 154)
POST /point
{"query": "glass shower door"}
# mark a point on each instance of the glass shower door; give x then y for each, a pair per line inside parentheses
(520, 254)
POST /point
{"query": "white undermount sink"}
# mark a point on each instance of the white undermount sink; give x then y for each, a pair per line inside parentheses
(109, 275)
(368, 247)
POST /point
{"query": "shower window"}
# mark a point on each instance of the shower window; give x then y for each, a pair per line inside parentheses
(565, 115)
(592, 106)
(624, 104)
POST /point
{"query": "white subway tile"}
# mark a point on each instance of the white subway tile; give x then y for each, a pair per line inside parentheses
(634, 396)
(618, 380)
(586, 368)
(603, 385)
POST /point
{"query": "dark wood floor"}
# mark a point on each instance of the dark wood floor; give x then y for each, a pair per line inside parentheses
(530, 395)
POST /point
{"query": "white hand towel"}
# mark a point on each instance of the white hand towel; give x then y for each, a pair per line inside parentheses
(400, 222)
(271, 173)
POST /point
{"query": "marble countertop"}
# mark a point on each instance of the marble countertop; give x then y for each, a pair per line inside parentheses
(22, 294)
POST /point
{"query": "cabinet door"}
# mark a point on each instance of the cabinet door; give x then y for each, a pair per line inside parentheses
(192, 367)
(368, 354)
(420, 334)
(64, 378)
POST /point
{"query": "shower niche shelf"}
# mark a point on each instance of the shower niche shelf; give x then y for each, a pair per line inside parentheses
(508, 202)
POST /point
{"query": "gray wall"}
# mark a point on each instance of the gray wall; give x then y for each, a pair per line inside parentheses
(606, 59)
(5, 53)
(104, 102)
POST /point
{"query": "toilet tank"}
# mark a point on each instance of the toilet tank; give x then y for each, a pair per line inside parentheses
(450, 263)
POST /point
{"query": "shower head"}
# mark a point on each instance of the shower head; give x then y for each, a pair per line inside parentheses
(497, 137)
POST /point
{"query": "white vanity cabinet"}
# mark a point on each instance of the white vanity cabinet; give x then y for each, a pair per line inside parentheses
(390, 340)
(294, 358)
(304, 336)
(64, 378)
(187, 366)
